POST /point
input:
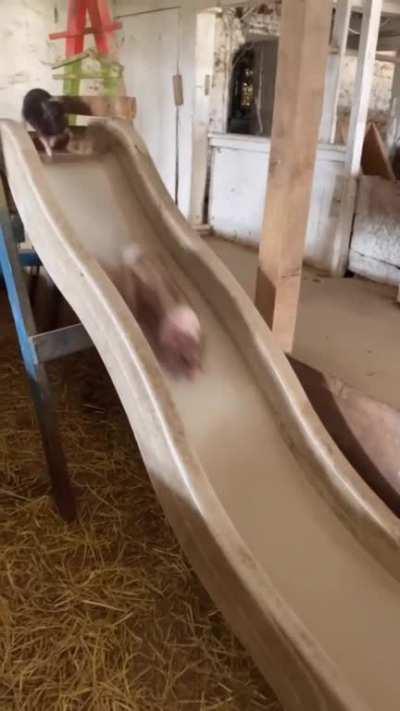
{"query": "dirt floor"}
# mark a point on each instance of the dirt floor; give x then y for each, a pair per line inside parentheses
(103, 614)
(345, 327)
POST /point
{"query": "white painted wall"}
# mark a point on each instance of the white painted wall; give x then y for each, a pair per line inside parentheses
(25, 51)
(238, 187)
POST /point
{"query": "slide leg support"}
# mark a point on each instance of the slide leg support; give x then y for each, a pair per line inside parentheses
(41, 392)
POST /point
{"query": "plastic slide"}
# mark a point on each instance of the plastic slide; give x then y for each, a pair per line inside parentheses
(300, 556)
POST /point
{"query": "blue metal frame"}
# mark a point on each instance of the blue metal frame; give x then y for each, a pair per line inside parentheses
(14, 277)
(28, 258)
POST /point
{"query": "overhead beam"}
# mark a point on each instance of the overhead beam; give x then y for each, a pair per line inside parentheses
(302, 58)
(390, 7)
(334, 70)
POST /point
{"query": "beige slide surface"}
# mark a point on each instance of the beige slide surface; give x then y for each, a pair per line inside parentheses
(300, 556)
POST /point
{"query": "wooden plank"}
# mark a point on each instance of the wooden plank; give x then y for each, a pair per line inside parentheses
(297, 115)
(386, 58)
(356, 134)
(375, 159)
(61, 342)
(87, 31)
(365, 72)
(70, 60)
(106, 106)
(341, 239)
(334, 70)
(393, 127)
(366, 431)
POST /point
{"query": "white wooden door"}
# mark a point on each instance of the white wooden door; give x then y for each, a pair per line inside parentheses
(149, 54)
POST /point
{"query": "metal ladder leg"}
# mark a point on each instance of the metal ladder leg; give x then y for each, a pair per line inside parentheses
(41, 392)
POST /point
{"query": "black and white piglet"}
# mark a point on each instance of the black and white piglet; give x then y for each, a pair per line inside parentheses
(48, 116)
(168, 321)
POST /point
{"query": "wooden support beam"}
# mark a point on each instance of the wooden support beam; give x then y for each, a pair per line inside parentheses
(358, 123)
(334, 70)
(363, 84)
(103, 106)
(367, 431)
(303, 51)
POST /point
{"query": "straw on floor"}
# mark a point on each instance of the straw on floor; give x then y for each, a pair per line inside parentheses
(104, 614)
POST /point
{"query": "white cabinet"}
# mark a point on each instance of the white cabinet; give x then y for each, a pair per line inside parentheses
(239, 172)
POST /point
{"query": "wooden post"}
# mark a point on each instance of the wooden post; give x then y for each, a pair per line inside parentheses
(364, 77)
(334, 70)
(393, 131)
(358, 122)
(303, 50)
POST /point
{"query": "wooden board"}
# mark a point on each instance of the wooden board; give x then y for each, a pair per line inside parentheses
(356, 131)
(334, 70)
(375, 159)
(367, 431)
(103, 106)
(297, 115)
(363, 83)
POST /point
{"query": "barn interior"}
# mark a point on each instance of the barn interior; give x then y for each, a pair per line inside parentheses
(274, 128)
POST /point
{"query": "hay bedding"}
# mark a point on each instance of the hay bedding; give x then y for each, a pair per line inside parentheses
(104, 614)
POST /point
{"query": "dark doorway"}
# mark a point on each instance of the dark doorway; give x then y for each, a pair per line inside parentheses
(253, 88)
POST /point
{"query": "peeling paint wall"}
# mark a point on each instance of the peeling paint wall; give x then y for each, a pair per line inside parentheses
(267, 22)
(381, 92)
(25, 51)
(381, 88)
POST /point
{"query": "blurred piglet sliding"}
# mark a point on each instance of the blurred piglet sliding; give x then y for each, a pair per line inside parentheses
(168, 321)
